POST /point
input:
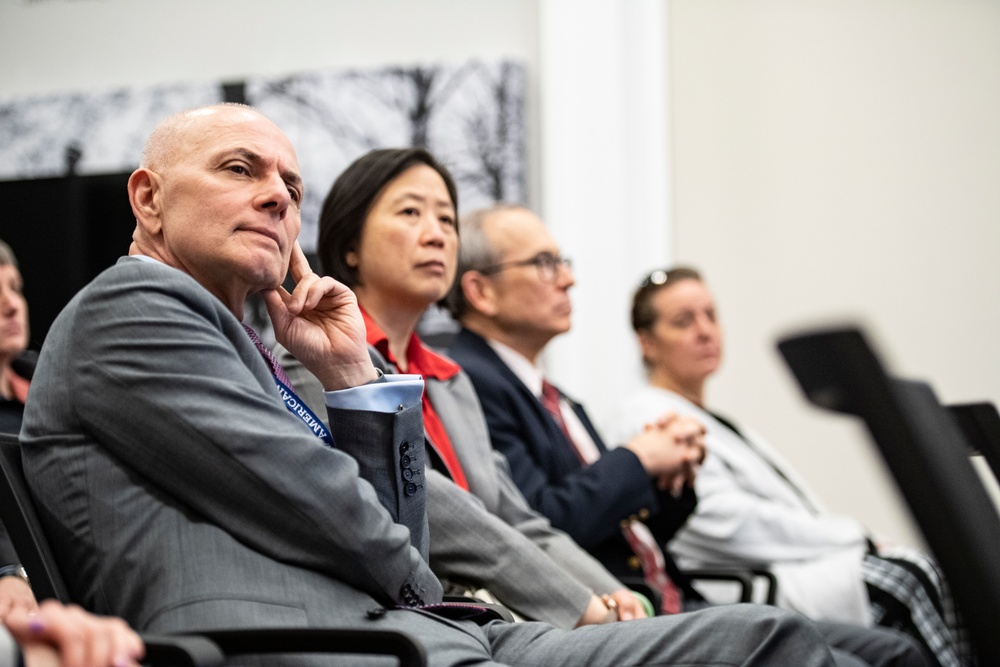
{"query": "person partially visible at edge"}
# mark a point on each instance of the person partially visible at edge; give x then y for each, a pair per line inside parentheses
(15, 592)
(211, 498)
(13, 341)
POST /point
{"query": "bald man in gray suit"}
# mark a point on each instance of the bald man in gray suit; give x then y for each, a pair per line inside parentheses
(179, 491)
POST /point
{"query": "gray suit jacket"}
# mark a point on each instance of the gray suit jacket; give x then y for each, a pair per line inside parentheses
(179, 493)
(491, 539)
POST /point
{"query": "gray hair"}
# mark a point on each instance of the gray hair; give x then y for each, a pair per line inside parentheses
(475, 252)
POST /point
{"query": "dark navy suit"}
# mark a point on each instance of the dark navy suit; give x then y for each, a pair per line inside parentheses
(588, 502)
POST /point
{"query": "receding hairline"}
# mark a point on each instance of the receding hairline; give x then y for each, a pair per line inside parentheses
(165, 140)
(489, 216)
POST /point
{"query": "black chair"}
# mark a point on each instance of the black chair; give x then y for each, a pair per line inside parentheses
(17, 511)
(747, 580)
(980, 422)
(928, 457)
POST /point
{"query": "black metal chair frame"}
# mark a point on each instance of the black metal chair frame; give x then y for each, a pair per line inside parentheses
(927, 455)
(980, 422)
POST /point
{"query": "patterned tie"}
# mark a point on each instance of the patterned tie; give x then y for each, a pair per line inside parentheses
(551, 401)
(272, 363)
(653, 566)
(654, 570)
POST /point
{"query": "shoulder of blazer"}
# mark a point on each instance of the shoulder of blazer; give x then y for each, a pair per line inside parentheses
(471, 349)
(482, 364)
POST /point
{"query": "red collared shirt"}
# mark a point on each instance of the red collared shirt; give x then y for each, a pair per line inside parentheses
(422, 361)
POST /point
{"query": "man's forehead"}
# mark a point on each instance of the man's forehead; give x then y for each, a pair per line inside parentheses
(516, 230)
(221, 130)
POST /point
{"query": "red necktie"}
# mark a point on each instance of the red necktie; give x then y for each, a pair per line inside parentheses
(652, 563)
(653, 571)
(550, 399)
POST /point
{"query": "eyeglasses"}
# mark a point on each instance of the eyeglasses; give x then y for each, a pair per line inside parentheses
(547, 264)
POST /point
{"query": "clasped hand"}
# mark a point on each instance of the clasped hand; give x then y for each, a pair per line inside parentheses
(671, 449)
(320, 323)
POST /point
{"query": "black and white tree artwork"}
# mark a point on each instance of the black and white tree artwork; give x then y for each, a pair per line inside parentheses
(470, 116)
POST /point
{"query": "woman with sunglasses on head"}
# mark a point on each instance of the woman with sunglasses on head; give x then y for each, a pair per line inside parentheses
(752, 507)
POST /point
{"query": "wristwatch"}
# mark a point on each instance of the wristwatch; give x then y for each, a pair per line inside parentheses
(14, 570)
(379, 377)
(612, 605)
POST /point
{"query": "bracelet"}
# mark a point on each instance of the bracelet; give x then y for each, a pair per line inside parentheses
(14, 570)
(612, 605)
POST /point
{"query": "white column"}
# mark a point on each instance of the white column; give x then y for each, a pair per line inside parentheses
(605, 187)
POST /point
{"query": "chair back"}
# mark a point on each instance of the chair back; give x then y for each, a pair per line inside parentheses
(980, 422)
(17, 511)
(928, 457)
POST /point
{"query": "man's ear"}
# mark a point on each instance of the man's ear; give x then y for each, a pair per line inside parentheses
(479, 293)
(144, 195)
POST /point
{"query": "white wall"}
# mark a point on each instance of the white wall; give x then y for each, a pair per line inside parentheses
(605, 175)
(50, 45)
(841, 158)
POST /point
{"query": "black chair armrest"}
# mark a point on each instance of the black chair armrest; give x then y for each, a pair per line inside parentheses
(181, 651)
(406, 648)
(744, 579)
(772, 584)
(745, 576)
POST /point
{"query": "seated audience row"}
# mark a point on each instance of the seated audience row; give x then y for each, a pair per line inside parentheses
(387, 230)
(512, 298)
(184, 485)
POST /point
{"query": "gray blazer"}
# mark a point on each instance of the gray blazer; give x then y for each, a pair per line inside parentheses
(180, 494)
(491, 539)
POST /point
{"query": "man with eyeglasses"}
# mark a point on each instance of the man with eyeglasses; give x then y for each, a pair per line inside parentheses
(511, 296)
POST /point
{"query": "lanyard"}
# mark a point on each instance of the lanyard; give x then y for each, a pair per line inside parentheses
(302, 411)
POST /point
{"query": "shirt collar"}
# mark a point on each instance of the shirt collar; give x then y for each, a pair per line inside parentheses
(419, 359)
(528, 373)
